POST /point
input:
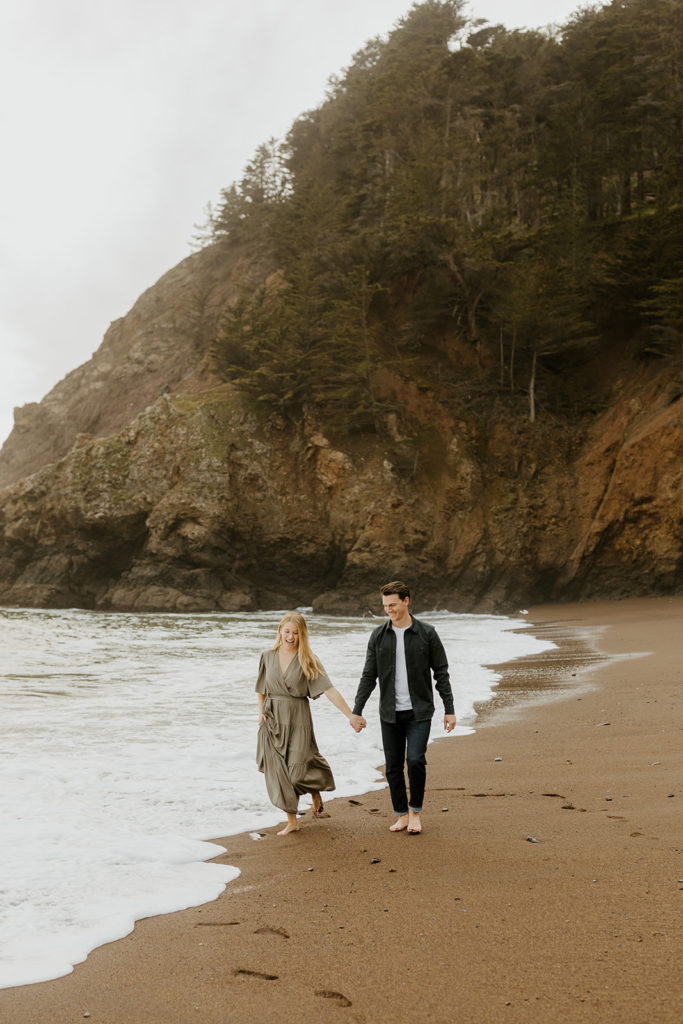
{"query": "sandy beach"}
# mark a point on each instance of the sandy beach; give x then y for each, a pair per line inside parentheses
(547, 884)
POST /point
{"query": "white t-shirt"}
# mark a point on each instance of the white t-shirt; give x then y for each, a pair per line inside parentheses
(403, 701)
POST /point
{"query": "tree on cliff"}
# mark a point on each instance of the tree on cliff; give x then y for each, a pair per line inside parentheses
(461, 184)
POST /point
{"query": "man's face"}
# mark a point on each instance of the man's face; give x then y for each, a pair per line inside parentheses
(396, 609)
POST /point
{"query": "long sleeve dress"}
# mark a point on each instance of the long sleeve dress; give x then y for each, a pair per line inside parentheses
(286, 750)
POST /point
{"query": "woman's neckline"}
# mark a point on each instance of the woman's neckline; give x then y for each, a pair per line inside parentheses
(284, 665)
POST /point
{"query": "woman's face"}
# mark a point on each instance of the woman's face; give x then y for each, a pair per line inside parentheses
(290, 636)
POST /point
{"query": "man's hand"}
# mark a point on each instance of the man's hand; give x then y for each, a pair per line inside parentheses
(357, 723)
(449, 722)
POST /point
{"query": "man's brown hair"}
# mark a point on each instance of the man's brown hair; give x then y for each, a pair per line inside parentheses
(396, 587)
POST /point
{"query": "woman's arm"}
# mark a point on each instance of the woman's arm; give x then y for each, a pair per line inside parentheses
(335, 696)
(261, 702)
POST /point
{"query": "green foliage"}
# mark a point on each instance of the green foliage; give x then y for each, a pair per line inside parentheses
(514, 191)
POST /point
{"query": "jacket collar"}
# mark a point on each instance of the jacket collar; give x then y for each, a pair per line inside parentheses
(387, 625)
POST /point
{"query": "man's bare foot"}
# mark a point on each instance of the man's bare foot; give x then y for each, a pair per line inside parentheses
(400, 825)
(414, 823)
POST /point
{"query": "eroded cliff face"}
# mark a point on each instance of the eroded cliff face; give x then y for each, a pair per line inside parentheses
(204, 503)
(156, 348)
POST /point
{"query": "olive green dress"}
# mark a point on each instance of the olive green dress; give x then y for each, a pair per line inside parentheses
(286, 750)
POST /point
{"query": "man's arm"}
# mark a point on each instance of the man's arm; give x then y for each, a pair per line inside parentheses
(368, 679)
(438, 663)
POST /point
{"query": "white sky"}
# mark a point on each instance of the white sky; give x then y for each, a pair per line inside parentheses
(121, 119)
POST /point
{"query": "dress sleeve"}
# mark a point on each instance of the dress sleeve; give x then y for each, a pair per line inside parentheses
(319, 684)
(261, 681)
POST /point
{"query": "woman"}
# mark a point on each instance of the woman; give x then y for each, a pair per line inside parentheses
(289, 673)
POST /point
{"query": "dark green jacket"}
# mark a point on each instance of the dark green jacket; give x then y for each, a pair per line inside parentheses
(424, 655)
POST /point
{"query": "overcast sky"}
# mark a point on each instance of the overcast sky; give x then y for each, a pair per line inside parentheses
(121, 119)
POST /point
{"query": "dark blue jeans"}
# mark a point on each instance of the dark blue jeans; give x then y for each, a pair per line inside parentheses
(405, 741)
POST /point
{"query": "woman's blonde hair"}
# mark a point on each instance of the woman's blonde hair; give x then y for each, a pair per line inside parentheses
(310, 665)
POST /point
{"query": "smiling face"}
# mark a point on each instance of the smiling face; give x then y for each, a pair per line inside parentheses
(397, 609)
(289, 635)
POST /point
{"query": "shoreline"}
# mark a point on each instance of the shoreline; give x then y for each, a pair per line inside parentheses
(471, 921)
(542, 678)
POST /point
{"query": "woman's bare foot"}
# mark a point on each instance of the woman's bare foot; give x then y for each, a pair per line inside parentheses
(400, 825)
(414, 823)
(291, 826)
(318, 806)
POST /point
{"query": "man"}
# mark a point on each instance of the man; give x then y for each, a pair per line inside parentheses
(403, 653)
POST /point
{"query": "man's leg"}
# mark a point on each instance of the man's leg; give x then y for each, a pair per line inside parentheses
(417, 735)
(394, 743)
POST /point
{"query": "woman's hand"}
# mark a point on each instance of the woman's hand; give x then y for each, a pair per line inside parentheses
(261, 718)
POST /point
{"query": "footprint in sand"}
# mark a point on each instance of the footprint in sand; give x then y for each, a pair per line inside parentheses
(267, 930)
(337, 996)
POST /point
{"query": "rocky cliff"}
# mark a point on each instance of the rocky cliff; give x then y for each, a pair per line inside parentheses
(156, 348)
(142, 482)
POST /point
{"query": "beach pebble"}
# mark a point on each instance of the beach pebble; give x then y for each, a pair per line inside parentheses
(375, 860)
(498, 759)
(443, 810)
(530, 839)
(671, 795)
(310, 869)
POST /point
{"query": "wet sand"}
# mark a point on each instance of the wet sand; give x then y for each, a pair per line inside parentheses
(546, 885)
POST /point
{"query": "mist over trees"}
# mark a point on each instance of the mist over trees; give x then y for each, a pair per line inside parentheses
(485, 205)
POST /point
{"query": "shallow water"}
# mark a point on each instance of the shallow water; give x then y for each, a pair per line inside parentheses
(128, 740)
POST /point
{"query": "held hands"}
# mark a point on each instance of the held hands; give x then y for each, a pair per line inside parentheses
(357, 723)
(449, 722)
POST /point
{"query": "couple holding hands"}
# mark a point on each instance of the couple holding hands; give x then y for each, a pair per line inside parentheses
(403, 654)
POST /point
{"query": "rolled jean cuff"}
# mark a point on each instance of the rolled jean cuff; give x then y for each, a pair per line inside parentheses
(415, 810)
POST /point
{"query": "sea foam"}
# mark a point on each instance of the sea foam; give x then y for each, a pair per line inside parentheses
(127, 742)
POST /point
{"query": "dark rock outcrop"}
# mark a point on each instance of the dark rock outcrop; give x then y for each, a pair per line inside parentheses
(203, 503)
